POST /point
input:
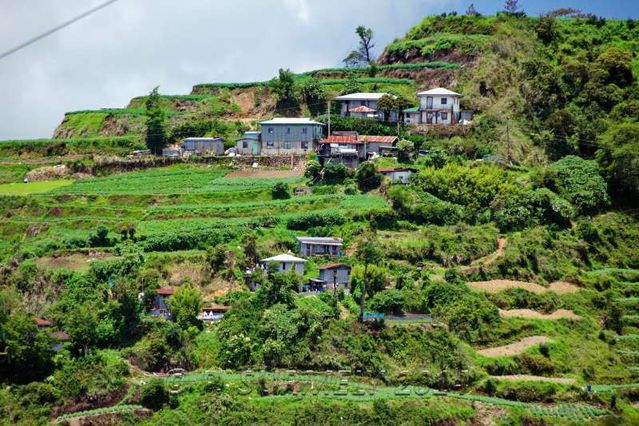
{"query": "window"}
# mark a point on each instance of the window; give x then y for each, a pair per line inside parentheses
(270, 144)
(444, 116)
(305, 130)
(244, 144)
(304, 145)
(286, 145)
(288, 130)
(270, 130)
(444, 101)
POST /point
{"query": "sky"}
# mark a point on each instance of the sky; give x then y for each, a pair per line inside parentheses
(131, 46)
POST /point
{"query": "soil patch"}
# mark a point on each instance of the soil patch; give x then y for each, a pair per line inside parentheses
(530, 314)
(563, 287)
(515, 348)
(79, 262)
(527, 378)
(495, 286)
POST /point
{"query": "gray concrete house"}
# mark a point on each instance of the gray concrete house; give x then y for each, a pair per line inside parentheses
(290, 136)
(320, 246)
(214, 146)
(286, 262)
(335, 273)
(282, 136)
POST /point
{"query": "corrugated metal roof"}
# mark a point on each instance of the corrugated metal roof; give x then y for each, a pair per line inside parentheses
(284, 258)
(438, 91)
(290, 121)
(165, 291)
(340, 139)
(321, 240)
(377, 139)
(334, 266)
(361, 97)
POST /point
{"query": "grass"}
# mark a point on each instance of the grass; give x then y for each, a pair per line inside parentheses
(32, 187)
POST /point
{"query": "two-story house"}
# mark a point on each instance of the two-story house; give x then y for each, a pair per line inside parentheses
(282, 136)
(436, 107)
(363, 105)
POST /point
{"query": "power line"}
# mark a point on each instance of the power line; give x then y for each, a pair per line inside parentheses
(56, 29)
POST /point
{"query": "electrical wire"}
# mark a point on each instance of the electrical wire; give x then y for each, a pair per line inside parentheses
(56, 29)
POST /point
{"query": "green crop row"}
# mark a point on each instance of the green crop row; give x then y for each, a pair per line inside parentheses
(99, 411)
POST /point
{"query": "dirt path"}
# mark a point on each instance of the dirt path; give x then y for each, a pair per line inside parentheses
(530, 314)
(515, 348)
(528, 378)
(502, 242)
(495, 286)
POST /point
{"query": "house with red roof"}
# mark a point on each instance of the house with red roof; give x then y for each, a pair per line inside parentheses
(350, 148)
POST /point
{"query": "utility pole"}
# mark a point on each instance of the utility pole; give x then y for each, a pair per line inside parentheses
(508, 141)
(329, 118)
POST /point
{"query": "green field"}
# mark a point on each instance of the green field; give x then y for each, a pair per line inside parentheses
(32, 187)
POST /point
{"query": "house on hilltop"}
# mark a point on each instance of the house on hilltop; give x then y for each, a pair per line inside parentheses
(282, 136)
(363, 105)
(437, 106)
(320, 246)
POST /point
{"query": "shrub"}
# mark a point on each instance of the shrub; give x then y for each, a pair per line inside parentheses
(368, 177)
(314, 220)
(281, 191)
(154, 395)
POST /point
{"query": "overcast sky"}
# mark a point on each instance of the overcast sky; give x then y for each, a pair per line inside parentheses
(134, 45)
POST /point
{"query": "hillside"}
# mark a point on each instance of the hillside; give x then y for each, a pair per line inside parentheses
(499, 285)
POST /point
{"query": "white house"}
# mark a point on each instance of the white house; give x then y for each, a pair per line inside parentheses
(436, 107)
(398, 174)
(363, 105)
(286, 262)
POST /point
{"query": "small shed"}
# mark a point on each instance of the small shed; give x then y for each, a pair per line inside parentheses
(398, 174)
(43, 323)
(160, 304)
(213, 312)
(320, 246)
(335, 273)
(171, 152)
(286, 262)
(200, 146)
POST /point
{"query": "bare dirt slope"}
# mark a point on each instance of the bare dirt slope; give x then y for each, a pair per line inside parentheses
(515, 348)
(530, 314)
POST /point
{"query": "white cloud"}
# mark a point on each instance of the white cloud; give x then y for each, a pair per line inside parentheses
(132, 46)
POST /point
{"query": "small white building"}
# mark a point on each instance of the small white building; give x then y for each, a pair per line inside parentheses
(363, 105)
(286, 262)
(398, 174)
(436, 107)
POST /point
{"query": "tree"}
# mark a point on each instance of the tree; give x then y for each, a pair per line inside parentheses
(313, 170)
(368, 177)
(155, 132)
(363, 55)
(284, 87)
(471, 11)
(29, 355)
(405, 149)
(89, 325)
(352, 85)
(619, 156)
(578, 181)
(512, 6)
(314, 95)
(368, 253)
(154, 395)
(386, 104)
(281, 191)
(249, 246)
(185, 306)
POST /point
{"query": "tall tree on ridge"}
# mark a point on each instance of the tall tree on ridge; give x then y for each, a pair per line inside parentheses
(155, 132)
(364, 53)
(512, 6)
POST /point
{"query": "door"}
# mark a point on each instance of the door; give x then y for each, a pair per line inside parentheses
(255, 148)
(429, 102)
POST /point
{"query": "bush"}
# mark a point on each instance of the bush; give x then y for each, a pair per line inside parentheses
(314, 220)
(281, 191)
(154, 395)
(368, 177)
(579, 182)
(388, 302)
